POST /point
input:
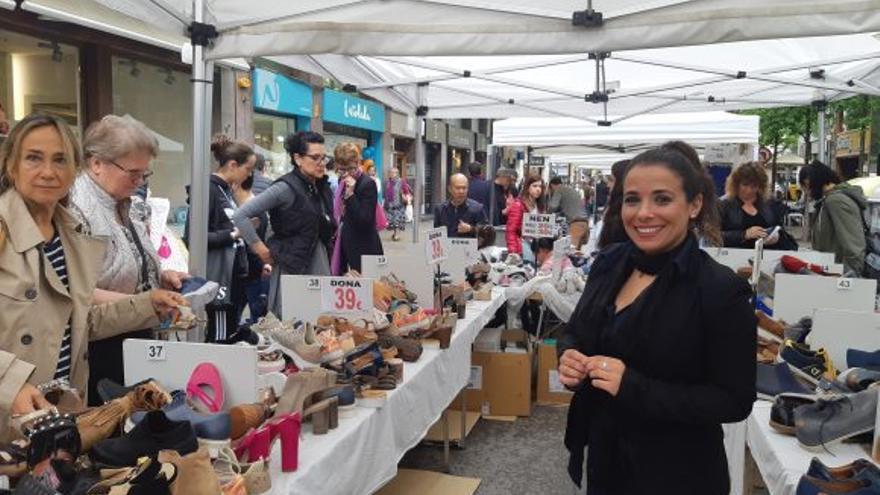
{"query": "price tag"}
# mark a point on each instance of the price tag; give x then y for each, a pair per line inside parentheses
(435, 245)
(381, 261)
(844, 284)
(156, 352)
(313, 284)
(346, 295)
(539, 225)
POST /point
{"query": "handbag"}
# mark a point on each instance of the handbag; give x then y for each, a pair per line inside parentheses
(409, 213)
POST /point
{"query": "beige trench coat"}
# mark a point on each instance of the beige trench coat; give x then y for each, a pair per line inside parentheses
(35, 306)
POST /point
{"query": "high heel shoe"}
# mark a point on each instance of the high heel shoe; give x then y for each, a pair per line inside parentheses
(254, 445)
(301, 385)
(287, 428)
(324, 414)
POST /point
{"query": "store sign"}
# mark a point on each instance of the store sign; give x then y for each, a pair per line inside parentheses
(346, 295)
(403, 125)
(435, 245)
(435, 131)
(536, 161)
(278, 93)
(343, 108)
(539, 225)
(460, 138)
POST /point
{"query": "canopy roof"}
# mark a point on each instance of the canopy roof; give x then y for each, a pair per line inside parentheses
(491, 27)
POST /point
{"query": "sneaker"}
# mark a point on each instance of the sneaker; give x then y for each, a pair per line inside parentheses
(154, 433)
(807, 364)
(799, 331)
(856, 358)
(782, 412)
(774, 379)
(809, 485)
(199, 292)
(835, 419)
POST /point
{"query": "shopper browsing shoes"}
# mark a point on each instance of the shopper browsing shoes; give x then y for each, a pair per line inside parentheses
(50, 270)
(661, 348)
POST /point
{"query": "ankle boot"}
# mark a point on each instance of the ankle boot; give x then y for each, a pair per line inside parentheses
(301, 385)
(102, 422)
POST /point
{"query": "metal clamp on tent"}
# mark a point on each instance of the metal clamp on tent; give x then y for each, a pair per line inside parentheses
(587, 18)
(201, 34)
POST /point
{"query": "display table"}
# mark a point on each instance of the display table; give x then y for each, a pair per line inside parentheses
(362, 454)
(782, 461)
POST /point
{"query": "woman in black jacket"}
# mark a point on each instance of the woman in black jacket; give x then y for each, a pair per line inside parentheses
(660, 350)
(360, 197)
(747, 214)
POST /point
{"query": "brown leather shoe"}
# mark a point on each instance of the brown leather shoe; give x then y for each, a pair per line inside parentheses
(195, 475)
(769, 324)
(245, 417)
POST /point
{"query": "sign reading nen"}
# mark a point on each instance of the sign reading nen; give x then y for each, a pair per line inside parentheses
(539, 225)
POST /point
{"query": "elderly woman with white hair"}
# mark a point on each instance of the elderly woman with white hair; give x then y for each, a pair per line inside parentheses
(118, 152)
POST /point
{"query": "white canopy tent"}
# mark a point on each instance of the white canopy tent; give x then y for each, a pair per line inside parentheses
(414, 28)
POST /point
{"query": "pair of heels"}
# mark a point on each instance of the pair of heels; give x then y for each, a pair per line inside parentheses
(257, 443)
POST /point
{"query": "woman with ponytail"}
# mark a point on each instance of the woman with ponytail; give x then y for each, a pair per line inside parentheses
(660, 350)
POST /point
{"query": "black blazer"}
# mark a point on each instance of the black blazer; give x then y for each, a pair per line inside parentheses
(732, 230)
(359, 234)
(690, 366)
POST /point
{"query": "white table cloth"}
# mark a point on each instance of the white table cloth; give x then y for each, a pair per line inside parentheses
(782, 461)
(362, 454)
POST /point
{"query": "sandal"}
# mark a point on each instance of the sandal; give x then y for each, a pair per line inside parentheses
(254, 476)
(13, 459)
(208, 376)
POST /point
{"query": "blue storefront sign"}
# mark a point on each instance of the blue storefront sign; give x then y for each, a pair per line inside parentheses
(280, 94)
(343, 108)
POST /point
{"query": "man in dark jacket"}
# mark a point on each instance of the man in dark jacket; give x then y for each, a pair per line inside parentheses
(505, 194)
(479, 188)
(459, 215)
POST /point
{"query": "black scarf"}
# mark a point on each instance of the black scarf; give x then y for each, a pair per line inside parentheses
(653, 264)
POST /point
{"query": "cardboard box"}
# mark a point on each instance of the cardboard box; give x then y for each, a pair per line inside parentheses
(501, 382)
(550, 390)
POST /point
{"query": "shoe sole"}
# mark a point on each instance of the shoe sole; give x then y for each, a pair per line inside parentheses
(783, 429)
(830, 443)
(770, 336)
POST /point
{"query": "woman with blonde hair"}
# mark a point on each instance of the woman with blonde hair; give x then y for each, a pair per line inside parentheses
(50, 270)
(747, 214)
(357, 200)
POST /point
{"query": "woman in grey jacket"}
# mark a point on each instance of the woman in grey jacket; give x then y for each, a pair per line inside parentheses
(840, 227)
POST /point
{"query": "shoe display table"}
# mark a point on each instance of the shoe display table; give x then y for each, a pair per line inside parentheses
(362, 454)
(782, 461)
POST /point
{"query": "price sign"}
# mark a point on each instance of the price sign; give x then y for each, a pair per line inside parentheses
(539, 225)
(313, 284)
(435, 245)
(381, 260)
(346, 295)
(156, 352)
(466, 246)
(844, 284)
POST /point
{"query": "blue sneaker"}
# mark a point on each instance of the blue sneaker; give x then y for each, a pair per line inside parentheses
(809, 485)
(807, 364)
(774, 379)
(207, 426)
(856, 358)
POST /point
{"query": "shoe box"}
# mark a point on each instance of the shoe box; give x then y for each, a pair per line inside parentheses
(501, 380)
(549, 389)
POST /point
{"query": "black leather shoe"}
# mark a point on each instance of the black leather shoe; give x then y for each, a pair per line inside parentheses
(782, 412)
(154, 433)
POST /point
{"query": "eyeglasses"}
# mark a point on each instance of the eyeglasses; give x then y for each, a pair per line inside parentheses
(317, 157)
(132, 174)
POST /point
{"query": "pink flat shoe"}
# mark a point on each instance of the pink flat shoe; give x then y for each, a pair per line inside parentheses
(206, 377)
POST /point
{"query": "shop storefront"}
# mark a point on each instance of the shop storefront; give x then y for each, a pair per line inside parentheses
(461, 150)
(435, 182)
(848, 152)
(353, 119)
(403, 132)
(282, 106)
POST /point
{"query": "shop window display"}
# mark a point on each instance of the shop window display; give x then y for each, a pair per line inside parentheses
(161, 98)
(269, 134)
(38, 75)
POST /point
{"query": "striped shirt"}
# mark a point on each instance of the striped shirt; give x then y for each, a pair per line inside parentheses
(54, 252)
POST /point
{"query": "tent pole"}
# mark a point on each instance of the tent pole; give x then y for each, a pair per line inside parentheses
(198, 214)
(821, 131)
(421, 98)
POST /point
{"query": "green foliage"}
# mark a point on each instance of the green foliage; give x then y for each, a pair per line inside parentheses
(782, 126)
(858, 111)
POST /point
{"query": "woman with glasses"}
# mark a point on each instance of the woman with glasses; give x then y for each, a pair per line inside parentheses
(300, 207)
(117, 153)
(50, 266)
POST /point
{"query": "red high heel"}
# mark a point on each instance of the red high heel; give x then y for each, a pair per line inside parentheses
(254, 445)
(286, 427)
